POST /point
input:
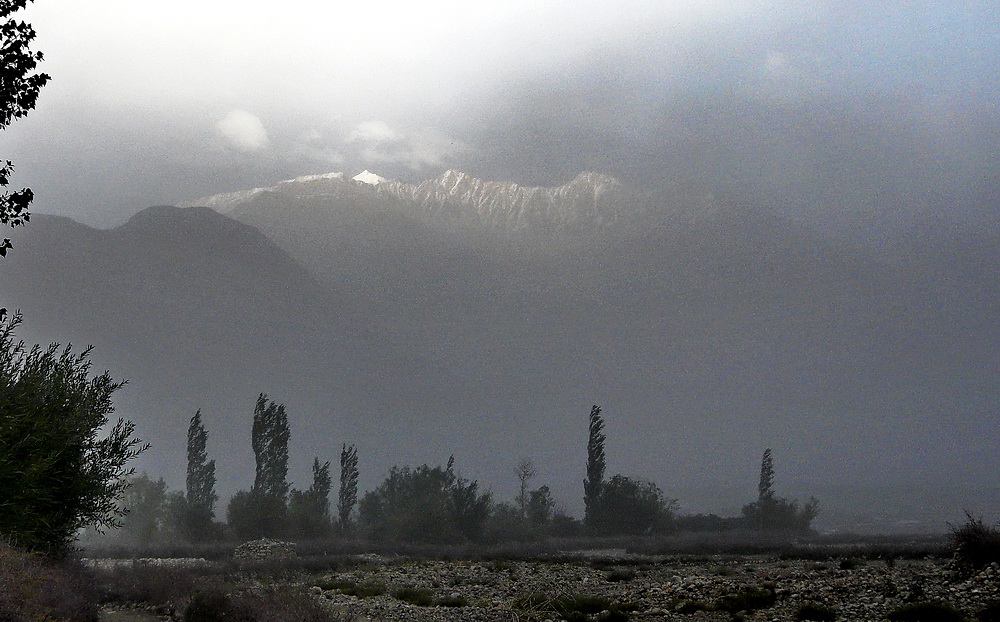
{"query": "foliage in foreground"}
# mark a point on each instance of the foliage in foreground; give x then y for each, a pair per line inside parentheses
(258, 605)
(32, 588)
(57, 471)
(976, 544)
(575, 607)
(19, 89)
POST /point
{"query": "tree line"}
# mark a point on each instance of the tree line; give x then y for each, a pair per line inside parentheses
(425, 503)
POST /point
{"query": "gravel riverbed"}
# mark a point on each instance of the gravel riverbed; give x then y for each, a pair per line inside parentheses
(650, 589)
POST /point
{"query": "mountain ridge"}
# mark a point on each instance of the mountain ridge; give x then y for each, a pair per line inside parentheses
(590, 203)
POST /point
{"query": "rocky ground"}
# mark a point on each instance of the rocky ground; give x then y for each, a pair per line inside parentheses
(647, 588)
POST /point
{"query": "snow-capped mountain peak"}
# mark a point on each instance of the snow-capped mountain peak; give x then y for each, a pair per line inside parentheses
(368, 177)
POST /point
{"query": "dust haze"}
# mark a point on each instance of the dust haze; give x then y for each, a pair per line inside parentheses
(797, 247)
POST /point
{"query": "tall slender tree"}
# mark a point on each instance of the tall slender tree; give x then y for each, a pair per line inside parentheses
(595, 465)
(319, 491)
(348, 496)
(309, 510)
(765, 488)
(269, 438)
(525, 471)
(200, 494)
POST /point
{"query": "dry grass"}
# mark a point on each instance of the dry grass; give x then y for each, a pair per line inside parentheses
(34, 588)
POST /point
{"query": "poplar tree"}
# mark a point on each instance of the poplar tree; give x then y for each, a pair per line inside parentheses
(309, 510)
(200, 494)
(348, 496)
(269, 438)
(765, 487)
(263, 511)
(595, 466)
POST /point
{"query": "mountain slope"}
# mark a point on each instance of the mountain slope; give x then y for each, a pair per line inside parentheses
(707, 331)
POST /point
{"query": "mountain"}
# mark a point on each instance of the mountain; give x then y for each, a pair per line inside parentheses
(484, 318)
(195, 310)
(591, 203)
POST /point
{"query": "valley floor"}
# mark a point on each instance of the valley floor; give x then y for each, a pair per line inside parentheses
(651, 589)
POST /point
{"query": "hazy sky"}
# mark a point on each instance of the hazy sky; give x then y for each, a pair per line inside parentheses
(880, 107)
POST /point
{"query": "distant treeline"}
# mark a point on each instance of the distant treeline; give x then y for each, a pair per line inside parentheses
(432, 504)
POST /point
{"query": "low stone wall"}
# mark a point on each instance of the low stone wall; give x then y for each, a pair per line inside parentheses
(263, 550)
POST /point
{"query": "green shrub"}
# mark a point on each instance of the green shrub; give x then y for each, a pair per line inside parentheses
(63, 463)
(813, 611)
(927, 611)
(420, 597)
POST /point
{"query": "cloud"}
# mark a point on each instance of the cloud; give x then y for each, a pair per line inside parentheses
(373, 131)
(243, 130)
(378, 143)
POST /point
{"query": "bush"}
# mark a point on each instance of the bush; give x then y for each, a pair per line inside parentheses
(749, 599)
(976, 545)
(426, 505)
(813, 611)
(575, 608)
(620, 575)
(452, 601)
(32, 588)
(147, 583)
(211, 606)
(57, 473)
(252, 515)
(927, 611)
(628, 506)
(415, 596)
(780, 514)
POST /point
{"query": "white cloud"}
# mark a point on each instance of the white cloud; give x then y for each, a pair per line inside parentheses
(373, 131)
(243, 130)
(414, 149)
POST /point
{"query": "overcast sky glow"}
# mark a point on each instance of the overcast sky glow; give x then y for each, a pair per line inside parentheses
(158, 102)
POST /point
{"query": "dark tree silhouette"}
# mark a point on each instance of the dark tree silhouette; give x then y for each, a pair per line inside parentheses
(595, 465)
(426, 505)
(262, 511)
(309, 510)
(61, 466)
(525, 472)
(200, 494)
(269, 437)
(773, 513)
(765, 487)
(19, 87)
(348, 495)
